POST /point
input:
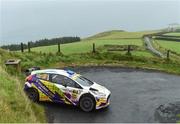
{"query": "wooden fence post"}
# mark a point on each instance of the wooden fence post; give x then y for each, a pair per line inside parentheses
(59, 47)
(29, 47)
(22, 48)
(168, 54)
(129, 49)
(94, 49)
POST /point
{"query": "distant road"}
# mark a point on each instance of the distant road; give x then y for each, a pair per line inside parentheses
(149, 46)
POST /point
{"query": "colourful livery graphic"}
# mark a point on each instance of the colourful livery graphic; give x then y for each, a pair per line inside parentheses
(65, 86)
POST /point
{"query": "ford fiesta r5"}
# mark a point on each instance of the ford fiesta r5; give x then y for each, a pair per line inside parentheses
(65, 86)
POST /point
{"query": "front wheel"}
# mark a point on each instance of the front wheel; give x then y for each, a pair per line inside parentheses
(87, 103)
(33, 95)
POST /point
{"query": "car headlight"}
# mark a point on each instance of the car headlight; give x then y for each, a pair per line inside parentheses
(98, 93)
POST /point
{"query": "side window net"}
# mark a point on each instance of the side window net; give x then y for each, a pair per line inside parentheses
(62, 80)
(57, 79)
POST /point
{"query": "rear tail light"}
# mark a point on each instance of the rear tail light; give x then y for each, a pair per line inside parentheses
(29, 78)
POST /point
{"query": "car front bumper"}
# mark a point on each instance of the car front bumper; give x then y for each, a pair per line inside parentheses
(102, 102)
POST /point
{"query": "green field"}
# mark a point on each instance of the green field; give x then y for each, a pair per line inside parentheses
(86, 46)
(173, 34)
(170, 45)
(115, 37)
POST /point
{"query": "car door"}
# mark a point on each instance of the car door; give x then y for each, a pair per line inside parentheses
(59, 88)
(73, 90)
(66, 89)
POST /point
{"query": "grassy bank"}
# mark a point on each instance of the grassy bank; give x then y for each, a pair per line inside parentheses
(54, 60)
(14, 105)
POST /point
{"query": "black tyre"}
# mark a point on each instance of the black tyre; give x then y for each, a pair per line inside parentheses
(87, 103)
(33, 95)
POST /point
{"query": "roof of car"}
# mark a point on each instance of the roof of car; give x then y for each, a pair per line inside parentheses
(55, 71)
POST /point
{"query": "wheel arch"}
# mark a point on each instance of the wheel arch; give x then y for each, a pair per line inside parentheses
(87, 95)
(33, 89)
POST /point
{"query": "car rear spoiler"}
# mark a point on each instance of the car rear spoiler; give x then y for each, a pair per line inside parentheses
(28, 71)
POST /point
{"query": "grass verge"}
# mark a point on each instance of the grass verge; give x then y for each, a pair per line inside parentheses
(14, 105)
(54, 60)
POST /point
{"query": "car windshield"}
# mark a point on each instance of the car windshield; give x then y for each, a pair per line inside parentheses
(84, 81)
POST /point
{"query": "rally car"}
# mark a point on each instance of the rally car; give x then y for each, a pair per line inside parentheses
(66, 86)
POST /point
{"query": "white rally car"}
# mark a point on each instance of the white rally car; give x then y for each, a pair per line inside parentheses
(65, 86)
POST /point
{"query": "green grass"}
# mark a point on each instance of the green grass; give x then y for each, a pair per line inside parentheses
(137, 60)
(171, 45)
(14, 105)
(142, 54)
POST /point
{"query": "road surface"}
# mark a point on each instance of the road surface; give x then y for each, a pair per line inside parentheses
(135, 96)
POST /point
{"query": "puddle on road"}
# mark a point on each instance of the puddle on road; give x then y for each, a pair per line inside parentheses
(168, 113)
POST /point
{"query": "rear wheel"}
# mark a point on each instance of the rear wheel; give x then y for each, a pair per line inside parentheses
(33, 95)
(87, 103)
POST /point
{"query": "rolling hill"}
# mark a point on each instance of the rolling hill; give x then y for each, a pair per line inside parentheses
(118, 34)
(115, 37)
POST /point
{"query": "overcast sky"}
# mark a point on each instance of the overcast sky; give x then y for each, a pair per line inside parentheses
(26, 20)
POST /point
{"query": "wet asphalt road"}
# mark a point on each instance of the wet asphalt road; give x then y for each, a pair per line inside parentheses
(135, 96)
